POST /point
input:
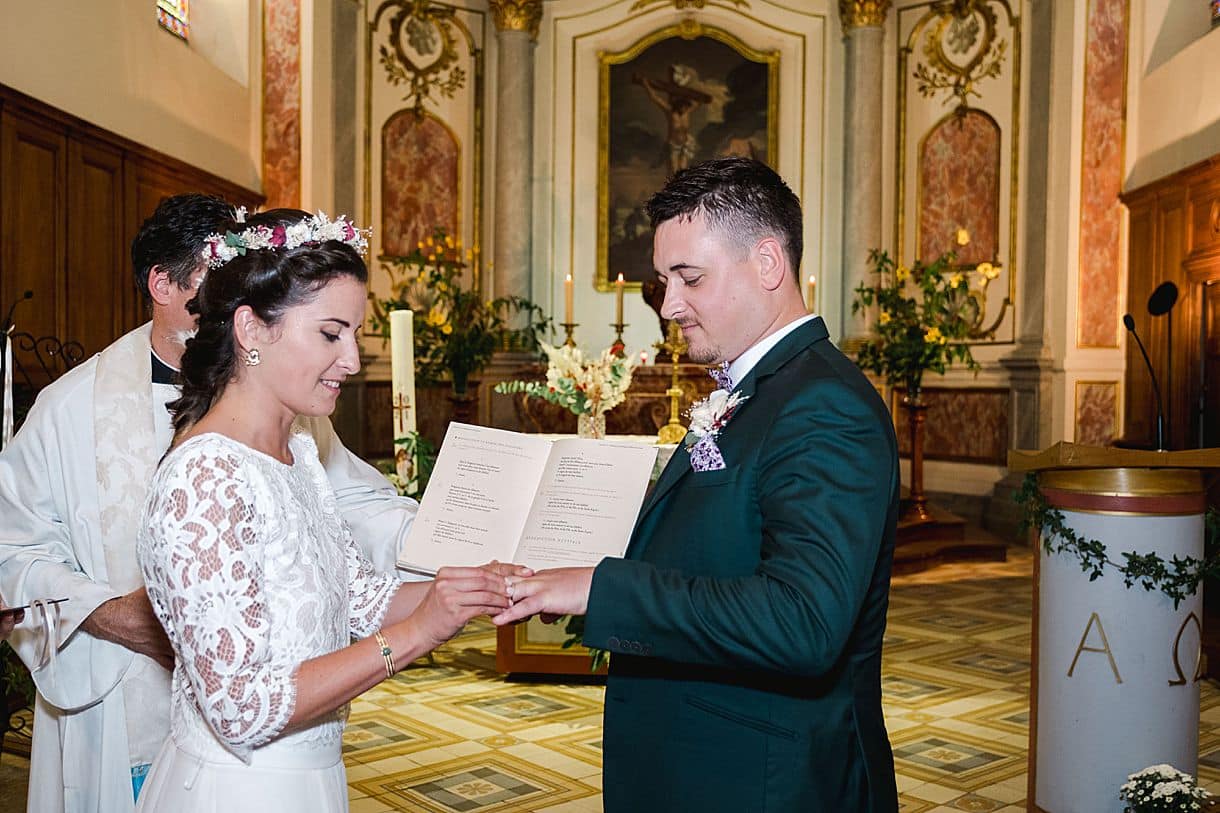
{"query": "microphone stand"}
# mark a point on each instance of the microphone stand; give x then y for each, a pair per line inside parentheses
(5, 327)
(1129, 323)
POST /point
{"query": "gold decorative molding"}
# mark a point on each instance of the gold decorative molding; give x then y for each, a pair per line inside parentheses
(681, 5)
(517, 15)
(863, 13)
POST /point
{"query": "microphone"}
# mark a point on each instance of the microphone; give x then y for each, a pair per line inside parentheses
(8, 319)
(1129, 324)
(1163, 298)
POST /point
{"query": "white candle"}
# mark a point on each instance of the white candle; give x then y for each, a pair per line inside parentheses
(618, 301)
(402, 370)
(813, 287)
(568, 299)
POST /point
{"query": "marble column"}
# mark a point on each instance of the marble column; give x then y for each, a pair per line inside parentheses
(863, 29)
(516, 34)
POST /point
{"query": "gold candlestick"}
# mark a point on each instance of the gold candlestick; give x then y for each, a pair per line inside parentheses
(618, 337)
(568, 329)
(674, 431)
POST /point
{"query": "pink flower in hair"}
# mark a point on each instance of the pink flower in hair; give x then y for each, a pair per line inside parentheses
(279, 236)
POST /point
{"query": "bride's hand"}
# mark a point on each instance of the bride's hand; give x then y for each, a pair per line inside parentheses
(455, 596)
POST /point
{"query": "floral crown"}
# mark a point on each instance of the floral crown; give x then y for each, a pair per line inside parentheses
(219, 249)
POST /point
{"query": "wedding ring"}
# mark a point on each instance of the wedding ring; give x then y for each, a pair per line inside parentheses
(509, 586)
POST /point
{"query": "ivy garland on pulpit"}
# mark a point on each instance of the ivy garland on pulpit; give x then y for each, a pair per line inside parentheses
(1178, 579)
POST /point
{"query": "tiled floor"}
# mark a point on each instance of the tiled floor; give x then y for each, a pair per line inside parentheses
(454, 736)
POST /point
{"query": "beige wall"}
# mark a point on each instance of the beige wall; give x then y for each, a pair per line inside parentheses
(112, 65)
(1173, 96)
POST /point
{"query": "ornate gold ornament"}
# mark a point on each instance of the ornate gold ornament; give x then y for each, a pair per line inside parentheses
(422, 53)
(863, 13)
(681, 5)
(517, 15)
(968, 28)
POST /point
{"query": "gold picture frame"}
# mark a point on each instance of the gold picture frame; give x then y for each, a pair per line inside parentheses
(705, 63)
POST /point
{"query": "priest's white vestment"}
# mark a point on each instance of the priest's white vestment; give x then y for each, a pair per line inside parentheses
(73, 482)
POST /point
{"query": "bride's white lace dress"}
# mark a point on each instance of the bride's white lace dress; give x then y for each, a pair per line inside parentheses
(252, 571)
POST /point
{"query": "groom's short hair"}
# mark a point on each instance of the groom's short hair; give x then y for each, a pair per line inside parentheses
(742, 198)
(172, 238)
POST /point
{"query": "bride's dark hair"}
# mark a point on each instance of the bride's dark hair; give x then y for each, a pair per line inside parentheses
(270, 281)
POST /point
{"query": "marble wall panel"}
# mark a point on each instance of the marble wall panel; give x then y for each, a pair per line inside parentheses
(969, 425)
(1102, 173)
(419, 181)
(959, 187)
(282, 103)
(1096, 412)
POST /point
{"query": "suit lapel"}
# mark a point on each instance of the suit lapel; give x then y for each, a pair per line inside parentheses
(679, 465)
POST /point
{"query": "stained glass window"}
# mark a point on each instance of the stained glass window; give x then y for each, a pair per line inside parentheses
(175, 17)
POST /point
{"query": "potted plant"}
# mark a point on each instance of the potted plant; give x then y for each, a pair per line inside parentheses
(925, 314)
(456, 330)
(1162, 789)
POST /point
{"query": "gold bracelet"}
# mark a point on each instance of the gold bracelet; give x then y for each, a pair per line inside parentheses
(386, 653)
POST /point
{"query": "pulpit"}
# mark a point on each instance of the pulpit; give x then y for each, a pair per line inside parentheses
(1115, 670)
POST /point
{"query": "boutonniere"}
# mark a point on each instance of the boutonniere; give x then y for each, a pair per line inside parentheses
(707, 418)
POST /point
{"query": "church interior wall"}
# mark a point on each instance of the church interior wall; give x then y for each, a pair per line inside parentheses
(566, 125)
(112, 65)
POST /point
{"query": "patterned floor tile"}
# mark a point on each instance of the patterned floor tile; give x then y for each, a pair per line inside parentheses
(493, 781)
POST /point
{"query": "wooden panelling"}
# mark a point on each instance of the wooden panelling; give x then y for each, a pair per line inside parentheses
(97, 269)
(32, 220)
(1171, 235)
(72, 197)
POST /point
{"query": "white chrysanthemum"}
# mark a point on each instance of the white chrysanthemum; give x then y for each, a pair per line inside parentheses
(297, 234)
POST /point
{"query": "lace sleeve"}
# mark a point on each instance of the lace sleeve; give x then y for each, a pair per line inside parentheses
(202, 557)
(368, 593)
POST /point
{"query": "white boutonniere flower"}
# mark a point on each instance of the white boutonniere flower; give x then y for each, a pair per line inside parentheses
(707, 418)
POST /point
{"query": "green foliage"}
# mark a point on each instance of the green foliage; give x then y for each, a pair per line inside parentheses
(1178, 579)
(456, 331)
(924, 316)
(575, 629)
(15, 679)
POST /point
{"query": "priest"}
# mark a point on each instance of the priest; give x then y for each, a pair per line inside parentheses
(73, 482)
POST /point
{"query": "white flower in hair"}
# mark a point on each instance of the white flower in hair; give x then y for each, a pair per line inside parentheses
(297, 234)
(239, 214)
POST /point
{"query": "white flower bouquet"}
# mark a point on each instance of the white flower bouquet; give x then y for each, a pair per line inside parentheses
(581, 385)
(1162, 789)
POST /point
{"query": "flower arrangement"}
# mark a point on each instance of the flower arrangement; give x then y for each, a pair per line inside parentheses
(581, 385)
(1162, 789)
(924, 316)
(219, 249)
(707, 418)
(456, 330)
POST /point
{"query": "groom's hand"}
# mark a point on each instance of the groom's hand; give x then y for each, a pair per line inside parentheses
(563, 591)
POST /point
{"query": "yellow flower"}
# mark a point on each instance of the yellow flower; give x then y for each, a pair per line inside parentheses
(447, 329)
(963, 237)
(420, 245)
(955, 280)
(449, 241)
(885, 317)
(431, 242)
(901, 274)
(431, 258)
(987, 270)
(932, 336)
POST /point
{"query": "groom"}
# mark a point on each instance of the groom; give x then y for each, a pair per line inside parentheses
(746, 621)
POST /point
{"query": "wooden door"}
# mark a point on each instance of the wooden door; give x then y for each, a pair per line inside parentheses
(97, 282)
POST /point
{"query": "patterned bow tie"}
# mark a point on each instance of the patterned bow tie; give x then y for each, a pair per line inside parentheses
(721, 375)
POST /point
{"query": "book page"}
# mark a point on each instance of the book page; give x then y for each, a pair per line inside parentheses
(477, 500)
(587, 504)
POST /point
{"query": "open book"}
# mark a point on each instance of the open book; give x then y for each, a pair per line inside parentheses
(523, 498)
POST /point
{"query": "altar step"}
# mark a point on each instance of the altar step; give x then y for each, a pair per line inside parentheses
(946, 538)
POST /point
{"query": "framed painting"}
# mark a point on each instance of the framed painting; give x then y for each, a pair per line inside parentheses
(678, 96)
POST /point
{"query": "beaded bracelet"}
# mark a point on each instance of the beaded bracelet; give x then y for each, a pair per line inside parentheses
(386, 653)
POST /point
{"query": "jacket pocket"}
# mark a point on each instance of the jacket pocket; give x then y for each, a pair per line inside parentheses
(718, 477)
(746, 720)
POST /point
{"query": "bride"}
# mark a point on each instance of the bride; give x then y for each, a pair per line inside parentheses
(248, 564)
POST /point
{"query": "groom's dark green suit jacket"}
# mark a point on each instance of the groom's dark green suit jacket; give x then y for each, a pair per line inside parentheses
(746, 620)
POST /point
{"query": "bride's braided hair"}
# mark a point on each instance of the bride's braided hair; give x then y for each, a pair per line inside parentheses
(269, 280)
